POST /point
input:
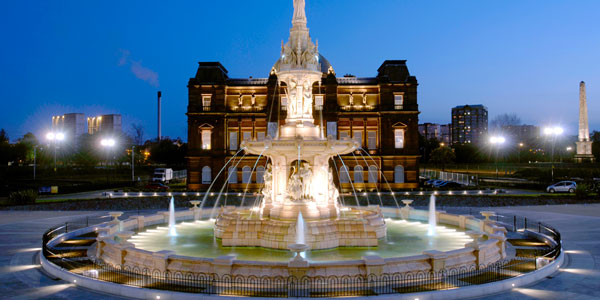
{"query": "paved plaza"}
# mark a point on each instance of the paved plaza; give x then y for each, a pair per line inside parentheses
(21, 277)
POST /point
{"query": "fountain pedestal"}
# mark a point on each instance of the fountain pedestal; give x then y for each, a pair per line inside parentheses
(298, 261)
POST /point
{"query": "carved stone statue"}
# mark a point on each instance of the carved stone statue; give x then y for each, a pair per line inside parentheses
(334, 194)
(351, 99)
(294, 188)
(306, 176)
(292, 101)
(268, 180)
(307, 103)
(299, 12)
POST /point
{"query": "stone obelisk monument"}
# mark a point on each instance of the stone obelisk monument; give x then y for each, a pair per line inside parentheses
(584, 145)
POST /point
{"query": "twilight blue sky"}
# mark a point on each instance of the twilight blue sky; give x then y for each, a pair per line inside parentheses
(520, 56)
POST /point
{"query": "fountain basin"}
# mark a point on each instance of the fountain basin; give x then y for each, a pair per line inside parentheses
(406, 249)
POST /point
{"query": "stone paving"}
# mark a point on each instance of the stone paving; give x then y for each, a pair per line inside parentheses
(21, 277)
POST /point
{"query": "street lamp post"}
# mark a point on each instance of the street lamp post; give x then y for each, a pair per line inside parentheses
(132, 164)
(55, 138)
(554, 132)
(496, 142)
(519, 152)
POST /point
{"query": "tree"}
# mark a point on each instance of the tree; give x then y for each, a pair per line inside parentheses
(595, 138)
(467, 153)
(505, 120)
(138, 134)
(3, 136)
(443, 156)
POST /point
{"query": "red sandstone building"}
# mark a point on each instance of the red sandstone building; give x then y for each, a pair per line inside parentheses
(380, 112)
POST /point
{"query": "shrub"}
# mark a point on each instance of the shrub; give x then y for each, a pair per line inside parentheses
(583, 190)
(22, 197)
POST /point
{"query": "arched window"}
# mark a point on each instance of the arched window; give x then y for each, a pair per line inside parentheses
(373, 174)
(260, 174)
(398, 174)
(246, 174)
(206, 175)
(358, 174)
(232, 175)
(344, 176)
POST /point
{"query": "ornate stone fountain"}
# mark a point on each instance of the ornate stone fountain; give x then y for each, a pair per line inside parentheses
(300, 179)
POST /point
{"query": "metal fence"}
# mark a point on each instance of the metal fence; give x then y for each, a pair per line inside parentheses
(461, 178)
(314, 286)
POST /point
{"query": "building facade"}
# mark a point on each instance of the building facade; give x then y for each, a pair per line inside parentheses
(469, 124)
(72, 124)
(110, 124)
(439, 132)
(380, 113)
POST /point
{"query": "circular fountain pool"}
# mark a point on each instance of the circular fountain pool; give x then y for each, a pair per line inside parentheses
(404, 238)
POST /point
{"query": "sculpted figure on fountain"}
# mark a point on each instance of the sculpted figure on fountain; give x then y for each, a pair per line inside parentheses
(268, 181)
(334, 194)
(306, 177)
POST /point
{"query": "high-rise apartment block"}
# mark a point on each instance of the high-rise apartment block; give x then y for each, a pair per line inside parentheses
(469, 124)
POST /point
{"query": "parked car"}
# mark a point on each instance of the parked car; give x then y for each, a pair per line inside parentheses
(157, 186)
(562, 186)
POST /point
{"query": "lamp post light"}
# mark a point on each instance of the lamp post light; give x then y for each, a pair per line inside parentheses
(554, 132)
(108, 144)
(496, 142)
(55, 138)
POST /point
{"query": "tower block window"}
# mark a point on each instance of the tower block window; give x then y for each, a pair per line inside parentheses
(399, 138)
(205, 136)
(398, 101)
(206, 102)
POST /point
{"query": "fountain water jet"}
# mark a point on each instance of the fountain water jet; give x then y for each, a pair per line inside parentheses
(300, 226)
(172, 230)
(432, 217)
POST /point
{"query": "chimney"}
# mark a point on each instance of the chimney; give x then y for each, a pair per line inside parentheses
(159, 133)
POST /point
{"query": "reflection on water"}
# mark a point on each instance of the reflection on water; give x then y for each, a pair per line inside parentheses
(404, 238)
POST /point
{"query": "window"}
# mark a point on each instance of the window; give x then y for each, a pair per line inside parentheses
(332, 129)
(272, 129)
(344, 134)
(344, 175)
(260, 175)
(246, 174)
(358, 174)
(398, 174)
(232, 175)
(398, 101)
(206, 102)
(246, 135)
(260, 136)
(319, 102)
(399, 138)
(233, 140)
(372, 140)
(358, 137)
(373, 174)
(206, 134)
(206, 175)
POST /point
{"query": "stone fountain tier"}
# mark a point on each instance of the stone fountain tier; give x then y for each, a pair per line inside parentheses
(354, 228)
(309, 147)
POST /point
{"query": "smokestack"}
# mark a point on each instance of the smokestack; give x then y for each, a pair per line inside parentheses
(159, 133)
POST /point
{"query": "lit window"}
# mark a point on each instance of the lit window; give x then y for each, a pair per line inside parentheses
(319, 102)
(398, 101)
(206, 102)
(206, 134)
(399, 138)
(233, 140)
(372, 139)
(398, 174)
